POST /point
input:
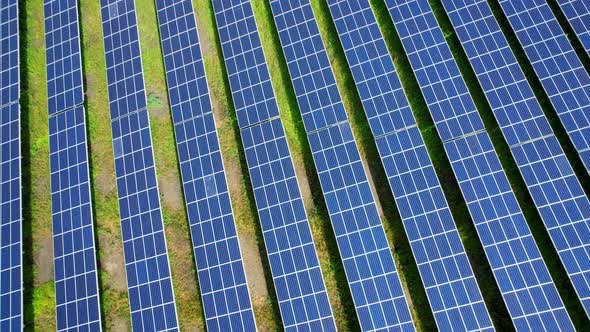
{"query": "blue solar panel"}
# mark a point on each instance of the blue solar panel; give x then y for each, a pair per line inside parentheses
(74, 252)
(9, 52)
(76, 285)
(372, 276)
(62, 42)
(11, 298)
(506, 237)
(296, 272)
(561, 72)
(123, 57)
(577, 13)
(220, 268)
(149, 281)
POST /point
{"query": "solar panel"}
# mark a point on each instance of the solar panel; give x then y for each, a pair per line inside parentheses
(577, 13)
(368, 263)
(149, 282)
(74, 251)
(9, 52)
(506, 237)
(562, 75)
(521, 119)
(220, 268)
(62, 42)
(76, 283)
(294, 264)
(11, 298)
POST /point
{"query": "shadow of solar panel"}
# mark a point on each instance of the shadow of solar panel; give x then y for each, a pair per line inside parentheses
(562, 75)
(149, 282)
(220, 268)
(555, 189)
(9, 53)
(11, 299)
(295, 268)
(64, 68)
(76, 285)
(368, 263)
(577, 13)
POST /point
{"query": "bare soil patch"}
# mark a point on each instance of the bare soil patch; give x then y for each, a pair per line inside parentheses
(171, 192)
(43, 258)
(113, 262)
(253, 266)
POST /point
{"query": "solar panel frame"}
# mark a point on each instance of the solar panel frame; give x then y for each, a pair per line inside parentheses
(222, 278)
(9, 53)
(151, 297)
(74, 251)
(362, 242)
(63, 58)
(11, 274)
(558, 67)
(401, 146)
(578, 15)
(297, 276)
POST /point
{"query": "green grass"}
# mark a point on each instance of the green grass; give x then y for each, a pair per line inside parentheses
(38, 274)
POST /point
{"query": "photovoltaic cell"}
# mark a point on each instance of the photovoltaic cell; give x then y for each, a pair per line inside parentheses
(526, 130)
(555, 189)
(62, 42)
(577, 13)
(76, 285)
(151, 297)
(562, 75)
(9, 52)
(507, 240)
(11, 298)
(294, 264)
(365, 252)
(220, 268)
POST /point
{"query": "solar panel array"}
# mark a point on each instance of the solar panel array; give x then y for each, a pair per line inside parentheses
(11, 296)
(368, 263)
(577, 13)
(557, 65)
(220, 268)
(74, 252)
(149, 281)
(528, 133)
(294, 264)
(412, 175)
(514, 257)
(554, 187)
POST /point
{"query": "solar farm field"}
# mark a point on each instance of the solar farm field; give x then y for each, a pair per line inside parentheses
(99, 110)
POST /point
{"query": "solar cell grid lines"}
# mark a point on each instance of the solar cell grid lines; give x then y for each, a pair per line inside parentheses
(149, 282)
(368, 263)
(220, 268)
(555, 189)
(9, 52)
(11, 297)
(562, 75)
(64, 68)
(577, 13)
(294, 264)
(76, 284)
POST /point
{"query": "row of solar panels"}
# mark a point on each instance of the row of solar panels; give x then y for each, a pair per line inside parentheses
(453, 293)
